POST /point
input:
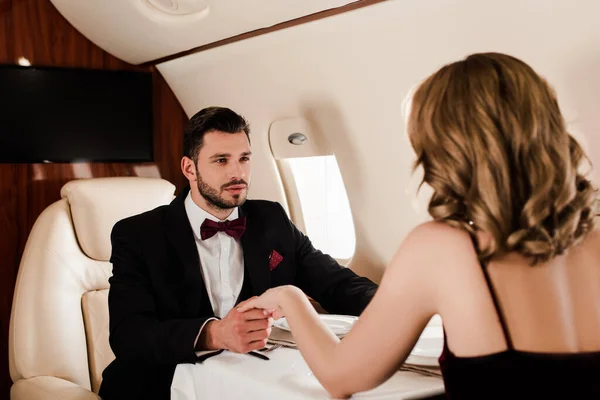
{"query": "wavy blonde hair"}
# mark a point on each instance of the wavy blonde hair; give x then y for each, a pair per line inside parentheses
(494, 148)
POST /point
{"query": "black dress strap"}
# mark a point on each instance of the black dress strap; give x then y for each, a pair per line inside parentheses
(492, 291)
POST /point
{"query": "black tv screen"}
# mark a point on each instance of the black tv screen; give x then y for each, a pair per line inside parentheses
(74, 115)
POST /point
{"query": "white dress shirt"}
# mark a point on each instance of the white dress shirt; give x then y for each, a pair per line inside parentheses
(221, 261)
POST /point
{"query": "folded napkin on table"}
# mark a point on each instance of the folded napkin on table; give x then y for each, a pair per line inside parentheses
(282, 337)
(421, 369)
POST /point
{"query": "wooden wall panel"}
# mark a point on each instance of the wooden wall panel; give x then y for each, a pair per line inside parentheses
(35, 30)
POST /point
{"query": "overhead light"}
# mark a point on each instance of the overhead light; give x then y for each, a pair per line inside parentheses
(167, 11)
(297, 138)
(24, 62)
(180, 7)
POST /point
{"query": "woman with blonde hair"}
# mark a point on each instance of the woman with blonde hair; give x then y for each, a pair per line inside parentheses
(515, 274)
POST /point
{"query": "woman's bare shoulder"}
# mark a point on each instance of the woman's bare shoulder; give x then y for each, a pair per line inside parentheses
(436, 245)
(439, 236)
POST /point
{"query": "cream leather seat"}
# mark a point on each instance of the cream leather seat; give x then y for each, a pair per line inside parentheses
(58, 340)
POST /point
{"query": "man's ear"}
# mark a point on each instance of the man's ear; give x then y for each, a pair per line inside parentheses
(188, 168)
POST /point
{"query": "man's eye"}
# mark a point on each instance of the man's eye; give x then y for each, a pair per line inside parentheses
(221, 160)
(245, 159)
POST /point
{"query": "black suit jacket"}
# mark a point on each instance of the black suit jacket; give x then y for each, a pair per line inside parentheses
(158, 300)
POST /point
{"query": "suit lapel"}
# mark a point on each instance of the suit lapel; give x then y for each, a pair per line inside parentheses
(256, 252)
(180, 235)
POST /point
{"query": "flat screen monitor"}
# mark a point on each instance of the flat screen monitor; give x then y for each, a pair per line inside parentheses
(74, 115)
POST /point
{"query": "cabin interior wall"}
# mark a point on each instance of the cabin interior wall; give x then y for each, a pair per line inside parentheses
(351, 73)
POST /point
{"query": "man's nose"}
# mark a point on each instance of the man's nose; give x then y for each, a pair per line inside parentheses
(237, 171)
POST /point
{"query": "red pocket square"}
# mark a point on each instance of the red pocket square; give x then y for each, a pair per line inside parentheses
(274, 259)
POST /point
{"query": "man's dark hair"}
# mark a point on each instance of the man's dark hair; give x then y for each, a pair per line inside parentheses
(207, 120)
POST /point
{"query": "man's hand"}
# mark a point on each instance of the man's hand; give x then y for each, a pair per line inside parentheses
(239, 332)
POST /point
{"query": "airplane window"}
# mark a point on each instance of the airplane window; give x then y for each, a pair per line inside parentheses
(324, 203)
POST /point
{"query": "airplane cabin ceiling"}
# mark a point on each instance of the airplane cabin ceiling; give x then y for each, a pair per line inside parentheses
(138, 31)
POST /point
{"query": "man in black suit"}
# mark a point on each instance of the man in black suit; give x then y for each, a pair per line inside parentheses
(180, 270)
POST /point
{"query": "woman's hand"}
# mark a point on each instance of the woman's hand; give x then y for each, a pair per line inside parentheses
(272, 300)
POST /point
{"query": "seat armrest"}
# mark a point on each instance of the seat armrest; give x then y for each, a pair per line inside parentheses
(49, 388)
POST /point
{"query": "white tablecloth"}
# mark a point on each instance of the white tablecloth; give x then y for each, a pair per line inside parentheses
(284, 376)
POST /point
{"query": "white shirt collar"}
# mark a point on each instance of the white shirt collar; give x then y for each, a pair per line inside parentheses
(197, 215)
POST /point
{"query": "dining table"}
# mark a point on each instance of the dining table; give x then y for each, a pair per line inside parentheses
(285, 375)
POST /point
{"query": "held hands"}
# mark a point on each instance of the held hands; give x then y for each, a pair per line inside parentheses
(241, 331)
(270, 301)
(248, 326)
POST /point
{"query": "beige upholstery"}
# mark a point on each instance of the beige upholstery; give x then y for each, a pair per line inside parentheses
(95, 316)
(58, 338)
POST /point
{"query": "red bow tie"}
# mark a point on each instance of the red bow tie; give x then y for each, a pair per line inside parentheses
(234, 228)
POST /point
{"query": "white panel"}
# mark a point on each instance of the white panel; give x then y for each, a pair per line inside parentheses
(142, 30)
(279, 132)
(349, 74)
